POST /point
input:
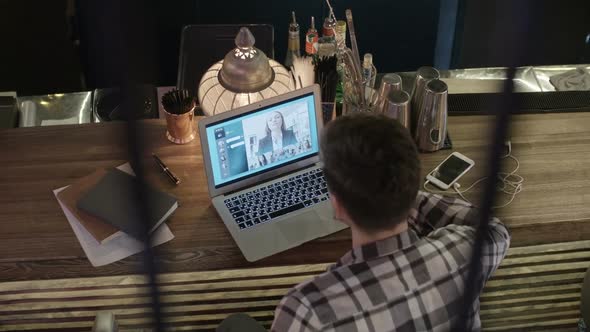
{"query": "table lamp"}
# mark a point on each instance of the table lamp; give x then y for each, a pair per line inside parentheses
(243, 77)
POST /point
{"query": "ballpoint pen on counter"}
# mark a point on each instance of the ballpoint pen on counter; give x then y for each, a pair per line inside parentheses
(166, 170)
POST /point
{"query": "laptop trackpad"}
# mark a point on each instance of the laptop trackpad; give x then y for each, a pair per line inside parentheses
(303, 227)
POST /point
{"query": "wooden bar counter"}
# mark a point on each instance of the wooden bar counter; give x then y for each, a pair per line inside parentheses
(36, 241)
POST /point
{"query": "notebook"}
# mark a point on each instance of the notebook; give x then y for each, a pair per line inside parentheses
(100, 230)
(113, 200)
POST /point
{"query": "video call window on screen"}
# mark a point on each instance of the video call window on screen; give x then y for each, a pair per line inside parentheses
(263, 139)
(277, 136)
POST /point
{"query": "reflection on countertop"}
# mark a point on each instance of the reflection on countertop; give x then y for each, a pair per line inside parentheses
(55, 109)
(77, 108)
(490, 80)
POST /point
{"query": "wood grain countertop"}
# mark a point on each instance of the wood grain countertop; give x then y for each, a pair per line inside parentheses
(36, 241)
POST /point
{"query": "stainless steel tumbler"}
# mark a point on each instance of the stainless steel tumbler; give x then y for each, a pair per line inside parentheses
(423, 75)
(397, 106)
(389, 82)
(431, 126)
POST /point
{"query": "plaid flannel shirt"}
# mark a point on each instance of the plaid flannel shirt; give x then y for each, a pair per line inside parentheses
(413, 281)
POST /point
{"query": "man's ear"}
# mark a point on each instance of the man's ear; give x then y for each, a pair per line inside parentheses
(340, 213)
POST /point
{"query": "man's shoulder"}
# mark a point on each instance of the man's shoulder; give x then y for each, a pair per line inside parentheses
(297, 309)
(314, 301)
(317, 294)
(311, 288)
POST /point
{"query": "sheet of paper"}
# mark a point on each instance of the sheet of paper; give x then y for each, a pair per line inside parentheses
(116, 249)
(126, 167)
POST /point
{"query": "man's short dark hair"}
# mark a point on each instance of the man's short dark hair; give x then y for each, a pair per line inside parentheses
(371, 164)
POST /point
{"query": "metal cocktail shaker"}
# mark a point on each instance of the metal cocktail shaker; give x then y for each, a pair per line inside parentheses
(423, 75)
(397, 106)
(389, 82)
(431, 126)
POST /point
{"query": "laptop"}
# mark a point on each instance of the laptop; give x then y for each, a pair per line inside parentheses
(263, 173)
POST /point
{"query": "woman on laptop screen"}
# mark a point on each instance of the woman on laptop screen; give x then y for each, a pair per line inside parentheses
(277, 136)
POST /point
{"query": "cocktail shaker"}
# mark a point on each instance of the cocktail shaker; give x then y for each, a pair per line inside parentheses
(389, 82)
(423, 75)
(431, 126)
(397, 106)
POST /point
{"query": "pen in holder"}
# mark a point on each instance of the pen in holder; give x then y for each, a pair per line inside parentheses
(357, 96)
(179, 109)
(353, 84)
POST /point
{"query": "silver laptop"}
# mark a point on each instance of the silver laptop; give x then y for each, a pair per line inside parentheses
(263, 173)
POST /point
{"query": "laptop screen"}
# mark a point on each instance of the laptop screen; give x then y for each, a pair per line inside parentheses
(252, 143)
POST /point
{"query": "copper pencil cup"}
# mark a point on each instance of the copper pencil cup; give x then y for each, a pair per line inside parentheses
(180, 127)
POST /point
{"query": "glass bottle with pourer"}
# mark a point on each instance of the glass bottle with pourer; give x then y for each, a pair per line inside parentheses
(293, 48)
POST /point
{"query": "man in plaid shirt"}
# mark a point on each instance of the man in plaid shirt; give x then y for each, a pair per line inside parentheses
(411, 250)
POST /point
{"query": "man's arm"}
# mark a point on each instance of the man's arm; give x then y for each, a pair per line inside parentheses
(433, 212)
(293, 315)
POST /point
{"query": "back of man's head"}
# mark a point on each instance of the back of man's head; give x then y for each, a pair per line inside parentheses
(372, 167)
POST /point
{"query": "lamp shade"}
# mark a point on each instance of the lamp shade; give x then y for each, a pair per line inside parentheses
(243, 77)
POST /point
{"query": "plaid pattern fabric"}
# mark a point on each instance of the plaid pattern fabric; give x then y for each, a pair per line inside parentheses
(413, 281)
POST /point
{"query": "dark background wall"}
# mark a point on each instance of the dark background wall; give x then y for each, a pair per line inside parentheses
(36, 53)
(40, 53)
(45, 60)
(558, 31)
(381, 26)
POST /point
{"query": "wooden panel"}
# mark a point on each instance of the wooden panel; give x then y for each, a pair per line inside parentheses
(548, 248)
(168, 279)
(515, 298)
(510, 283)
(36, 241)
(558, 325)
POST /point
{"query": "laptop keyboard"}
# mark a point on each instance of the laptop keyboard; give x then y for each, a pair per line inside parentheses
(267, 203)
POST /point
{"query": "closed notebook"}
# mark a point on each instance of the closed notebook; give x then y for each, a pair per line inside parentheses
(100, 230)
(114, 200)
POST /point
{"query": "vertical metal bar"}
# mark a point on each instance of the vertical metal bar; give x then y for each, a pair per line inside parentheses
(123, 37)
(150, 268)
(138, 22)
(509, 46)
(475, 281)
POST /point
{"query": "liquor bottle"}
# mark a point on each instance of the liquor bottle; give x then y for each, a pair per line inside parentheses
(341, 42)
(311, 39)
(369, 75)
(327, 43)
(369, 70)
(341, 32)
(293, 49)
(329, 28)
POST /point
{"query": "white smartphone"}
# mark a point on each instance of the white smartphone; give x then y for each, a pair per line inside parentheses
(450, 170)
